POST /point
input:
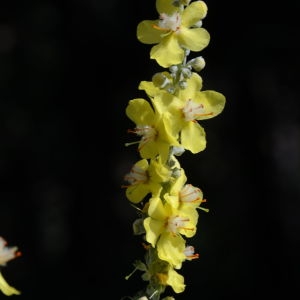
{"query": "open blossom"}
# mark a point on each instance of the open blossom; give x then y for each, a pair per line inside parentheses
(145, 178)
(166, 220)
(189, 106)
(7, 254)
(177, 28)
(184, 198)
(200, 104)
(153, 127)
(183, 195)
(165, 227)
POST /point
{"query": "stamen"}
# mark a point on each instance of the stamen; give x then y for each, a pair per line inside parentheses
(203, 115)
(160, 28)
(123, 186)
(185, 228)
(18, 254)
(204, 209)
(129, 275)
(190, 253)
(136, 175)
(146, 247)
(155, 292)
(143, 142)
(176, 223)
(192, 111)
(132, 143)
(130, 131)
(147, 132)
(170, 23)
(190, 194)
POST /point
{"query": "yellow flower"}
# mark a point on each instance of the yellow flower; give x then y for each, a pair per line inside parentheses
(200, 104)
(164, 228)
(145, 178)
(163, 219)
(177, 29)
(188, 106)
(183, 195)
(154, 128)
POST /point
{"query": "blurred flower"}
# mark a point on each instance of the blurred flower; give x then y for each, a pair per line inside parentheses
(7, 254)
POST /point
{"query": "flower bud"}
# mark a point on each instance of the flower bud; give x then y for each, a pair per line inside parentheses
(138, 227)
(177, 151)
(197, 63)
(182, 84)
(160, 80)
(173, 69)
(186, 72)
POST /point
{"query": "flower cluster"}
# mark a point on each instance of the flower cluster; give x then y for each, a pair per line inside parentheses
(167, 124)
(7, 254)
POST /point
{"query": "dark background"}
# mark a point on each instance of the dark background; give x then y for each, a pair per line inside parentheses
(67, 72)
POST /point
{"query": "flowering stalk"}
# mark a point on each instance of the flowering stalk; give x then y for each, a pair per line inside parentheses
(166, 125)
(7, 254)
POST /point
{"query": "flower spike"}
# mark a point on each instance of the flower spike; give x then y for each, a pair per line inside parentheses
(168, 123)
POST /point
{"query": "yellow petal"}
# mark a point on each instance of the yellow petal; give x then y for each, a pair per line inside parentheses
(213, 102)
(137, 192)
(157, 210)
(149, 88)
(166, 6)
(140, 112)
(194, 85)
(153, 230)
(195, 39)
(193, 137)
(191, 226)
(176, 281)
(167, 52)
(147, 34)
(6, 288)
(193, 13)
(159, 172)
(171, 249)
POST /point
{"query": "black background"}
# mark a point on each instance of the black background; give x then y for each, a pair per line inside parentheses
(67, 72)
